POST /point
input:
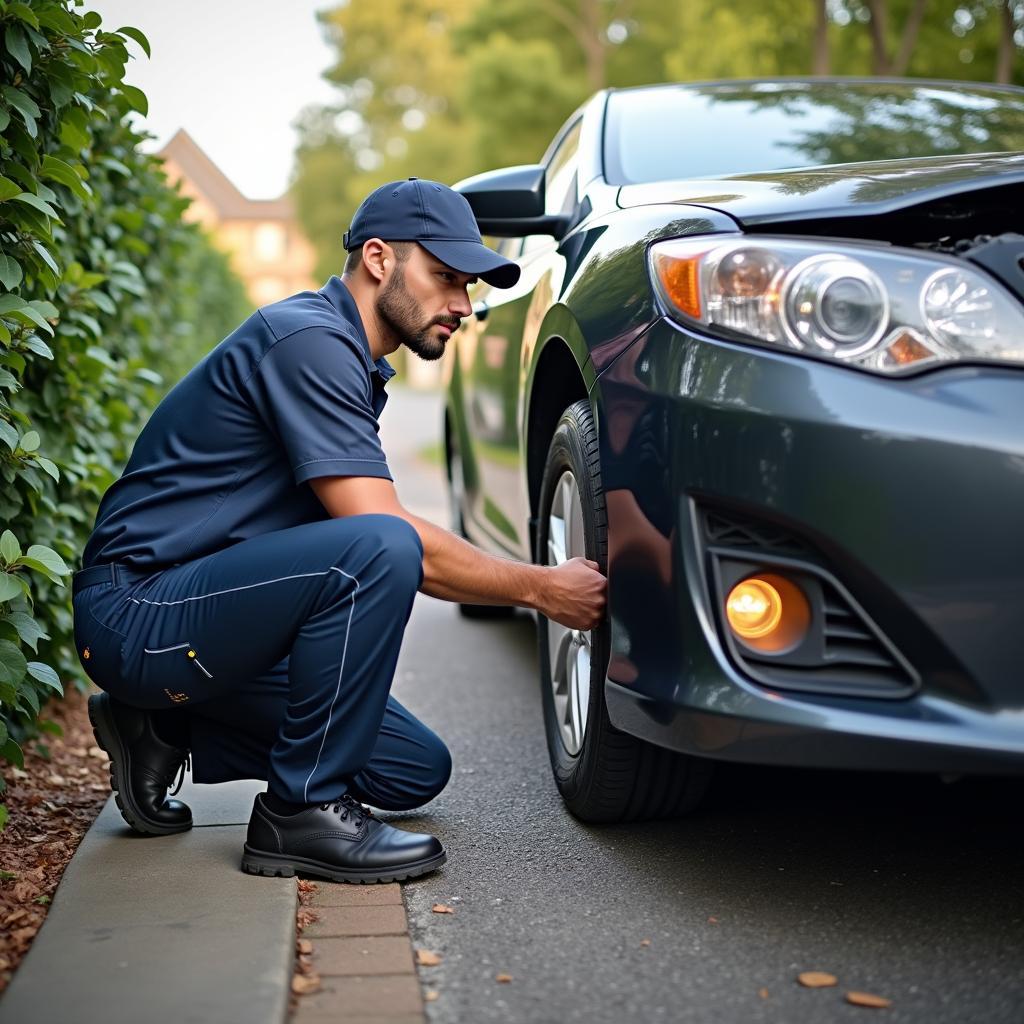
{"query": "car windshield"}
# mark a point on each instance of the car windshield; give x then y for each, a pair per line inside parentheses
(664, 133)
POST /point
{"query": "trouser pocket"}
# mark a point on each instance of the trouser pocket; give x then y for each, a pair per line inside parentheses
(100, 650)
(173, 673)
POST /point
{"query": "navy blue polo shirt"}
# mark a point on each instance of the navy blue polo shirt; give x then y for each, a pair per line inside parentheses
(292, 394)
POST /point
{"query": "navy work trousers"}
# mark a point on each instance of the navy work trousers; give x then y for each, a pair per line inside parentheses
(280, 650)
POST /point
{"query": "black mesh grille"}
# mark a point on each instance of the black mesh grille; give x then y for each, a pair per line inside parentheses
(734, 531)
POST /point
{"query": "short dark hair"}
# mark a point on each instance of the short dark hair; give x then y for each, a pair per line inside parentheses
(402, 252)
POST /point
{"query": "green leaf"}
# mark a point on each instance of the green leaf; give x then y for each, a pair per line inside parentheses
(40, 204)
(136, 97)
(30, 314)
(21, 101)
(36, 344)
(10, 549)
(46, 675)
(138, 36)
(10, 588)
(8, 381)
(25, 13)
(46, 257)
(92, 20)
(28, 629)
(3, 740)
(11, 752)
(10, 271)
(48, 467)
(49, 558)
(13, 666)
(17, 46)
(47, 309)
(8, 188)
(8, 435)
(30, 442)
(9, 303)
(58, 170)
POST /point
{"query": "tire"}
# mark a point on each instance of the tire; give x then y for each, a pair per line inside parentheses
(456, 492)
(603, 775)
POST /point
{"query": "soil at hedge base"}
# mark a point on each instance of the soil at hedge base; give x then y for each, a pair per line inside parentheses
(51, 804)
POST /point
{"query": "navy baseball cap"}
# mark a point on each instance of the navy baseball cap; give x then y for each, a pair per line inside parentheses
(439, 218)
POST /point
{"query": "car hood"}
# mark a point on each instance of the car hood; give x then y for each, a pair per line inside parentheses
(839, 190)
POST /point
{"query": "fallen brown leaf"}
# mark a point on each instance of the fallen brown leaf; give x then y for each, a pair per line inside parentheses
(431, 995)
(763, 993)
(867, 999)
(305, 946)
(425, 958)
(302, 984)
(645, 942)
(712, 920)
(816, 979)
(503, 979)
(442, 908)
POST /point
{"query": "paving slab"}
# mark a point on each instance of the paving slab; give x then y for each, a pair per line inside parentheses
(164, 929)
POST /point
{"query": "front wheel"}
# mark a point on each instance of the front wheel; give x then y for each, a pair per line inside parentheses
(604, 775)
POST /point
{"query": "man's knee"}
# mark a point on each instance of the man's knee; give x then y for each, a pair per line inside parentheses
(393, 545)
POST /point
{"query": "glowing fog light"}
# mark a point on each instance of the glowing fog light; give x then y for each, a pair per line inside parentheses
(768, 612)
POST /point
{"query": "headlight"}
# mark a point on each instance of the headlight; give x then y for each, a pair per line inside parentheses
(885, 309)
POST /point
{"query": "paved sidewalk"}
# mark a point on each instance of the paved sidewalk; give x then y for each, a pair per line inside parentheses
(162, 929)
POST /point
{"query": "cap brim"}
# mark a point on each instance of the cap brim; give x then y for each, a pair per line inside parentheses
(474, 258)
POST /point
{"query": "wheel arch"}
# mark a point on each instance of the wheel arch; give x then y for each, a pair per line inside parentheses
(557, 380)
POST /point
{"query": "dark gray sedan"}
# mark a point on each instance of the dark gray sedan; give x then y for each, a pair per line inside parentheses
(765, 364)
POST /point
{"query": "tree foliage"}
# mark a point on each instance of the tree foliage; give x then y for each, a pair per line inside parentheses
(446, 88)
(104, 295)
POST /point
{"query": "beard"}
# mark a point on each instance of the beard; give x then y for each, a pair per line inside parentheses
(401, 314)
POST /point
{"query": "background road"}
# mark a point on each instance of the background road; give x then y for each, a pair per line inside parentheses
(901, 886)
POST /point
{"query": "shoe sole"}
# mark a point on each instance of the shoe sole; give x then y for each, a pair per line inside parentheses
(276, 865)
(105, 731)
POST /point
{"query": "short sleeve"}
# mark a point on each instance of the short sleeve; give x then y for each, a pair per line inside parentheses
(312, 390)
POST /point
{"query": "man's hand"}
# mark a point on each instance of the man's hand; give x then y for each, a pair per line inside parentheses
(454, 570)
(574, 594)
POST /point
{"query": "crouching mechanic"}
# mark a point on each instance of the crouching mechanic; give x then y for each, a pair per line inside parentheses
(249, 578)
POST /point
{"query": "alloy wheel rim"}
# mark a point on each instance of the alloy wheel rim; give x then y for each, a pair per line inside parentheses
(569, 650)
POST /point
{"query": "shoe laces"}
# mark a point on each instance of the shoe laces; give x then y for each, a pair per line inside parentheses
(183, 766)
(347, 806)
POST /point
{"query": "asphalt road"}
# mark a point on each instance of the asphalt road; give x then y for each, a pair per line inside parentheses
(905, 887)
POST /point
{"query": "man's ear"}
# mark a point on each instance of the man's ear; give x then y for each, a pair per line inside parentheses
(377, 257)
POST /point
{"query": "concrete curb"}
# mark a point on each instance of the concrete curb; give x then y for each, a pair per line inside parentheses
(162, 929)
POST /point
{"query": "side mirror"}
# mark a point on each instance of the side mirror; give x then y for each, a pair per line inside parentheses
(510, 203)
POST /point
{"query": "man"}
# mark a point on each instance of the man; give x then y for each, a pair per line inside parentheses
(250, 575)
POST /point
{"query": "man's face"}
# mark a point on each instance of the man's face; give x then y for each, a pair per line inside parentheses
(423, 302)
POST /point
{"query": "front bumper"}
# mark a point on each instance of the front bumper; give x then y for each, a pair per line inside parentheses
(910, 492)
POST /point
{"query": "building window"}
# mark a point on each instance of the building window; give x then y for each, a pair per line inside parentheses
(268, 242)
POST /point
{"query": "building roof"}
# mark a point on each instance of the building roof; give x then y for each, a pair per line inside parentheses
(215, 186)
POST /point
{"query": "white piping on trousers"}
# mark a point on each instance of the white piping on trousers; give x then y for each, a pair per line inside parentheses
(337, 692)
(232, 590)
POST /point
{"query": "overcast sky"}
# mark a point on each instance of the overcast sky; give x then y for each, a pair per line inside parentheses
(233, 73)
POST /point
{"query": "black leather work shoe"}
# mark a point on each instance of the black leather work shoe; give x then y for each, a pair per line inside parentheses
(142, 767)
(340, 840)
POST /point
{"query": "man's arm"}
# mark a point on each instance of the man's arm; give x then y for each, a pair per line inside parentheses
(454, 570)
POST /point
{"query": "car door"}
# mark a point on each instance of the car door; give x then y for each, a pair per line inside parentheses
(491, 364)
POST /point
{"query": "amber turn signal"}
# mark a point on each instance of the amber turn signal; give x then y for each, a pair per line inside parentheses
(680, 279)
(768, 612)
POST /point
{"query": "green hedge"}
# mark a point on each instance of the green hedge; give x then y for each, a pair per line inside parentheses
(105, 295)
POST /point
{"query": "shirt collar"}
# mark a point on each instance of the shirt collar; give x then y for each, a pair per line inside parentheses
(336, 292)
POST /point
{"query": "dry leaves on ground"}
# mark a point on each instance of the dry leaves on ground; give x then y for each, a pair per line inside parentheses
(51, 804)
(426, 958)
(817, 979)
(503, 979)
(867, 999)
(442, 908)
(431, 995)
(763, 993)
(645, 943)
(303, 984)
